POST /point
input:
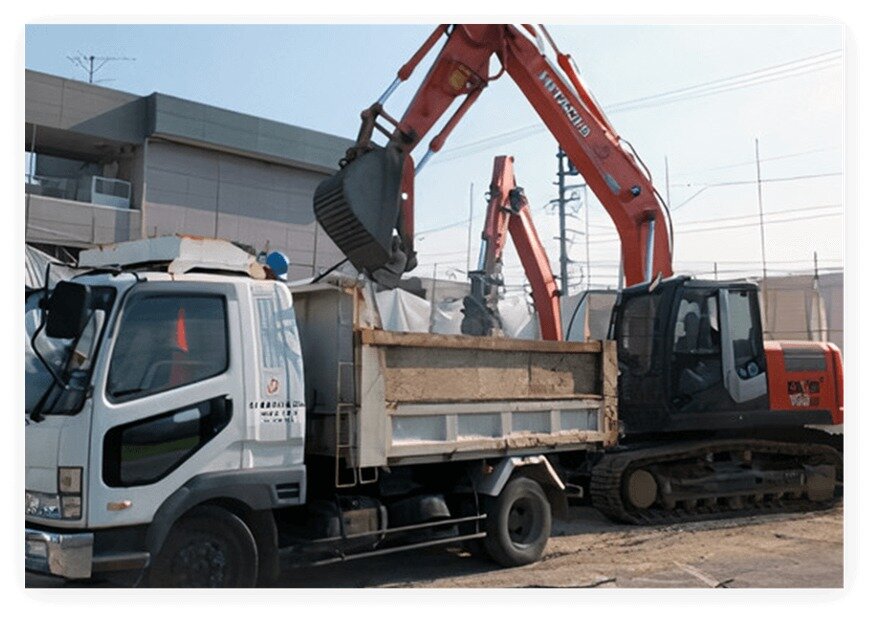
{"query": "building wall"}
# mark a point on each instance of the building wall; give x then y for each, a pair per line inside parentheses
(209, 193)
(798, 307)
(69, 105)
(194, 169)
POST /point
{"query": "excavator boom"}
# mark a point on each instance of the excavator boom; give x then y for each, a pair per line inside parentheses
(508, 214)
(372, 195)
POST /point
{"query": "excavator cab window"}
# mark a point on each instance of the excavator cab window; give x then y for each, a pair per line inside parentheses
(639, 320)
(748, 355)
(697, 369)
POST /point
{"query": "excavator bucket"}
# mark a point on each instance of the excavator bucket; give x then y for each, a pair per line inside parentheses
(359, 205)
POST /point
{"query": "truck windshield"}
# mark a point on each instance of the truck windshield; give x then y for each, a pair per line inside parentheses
(61, 388)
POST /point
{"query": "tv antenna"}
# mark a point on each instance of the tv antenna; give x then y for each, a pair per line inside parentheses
(92, 64)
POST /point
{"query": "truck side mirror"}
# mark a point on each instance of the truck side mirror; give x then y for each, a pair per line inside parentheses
(67, 310)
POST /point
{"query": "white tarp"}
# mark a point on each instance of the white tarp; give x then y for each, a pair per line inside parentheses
(518, 320)
(447, 317)
(35, 262)
(402, 311)
(37, 379)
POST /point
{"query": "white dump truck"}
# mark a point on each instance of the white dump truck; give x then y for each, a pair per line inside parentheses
(208, 425)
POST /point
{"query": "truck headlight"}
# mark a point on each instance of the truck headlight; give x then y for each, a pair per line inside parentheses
(43, 505)
(66, 504)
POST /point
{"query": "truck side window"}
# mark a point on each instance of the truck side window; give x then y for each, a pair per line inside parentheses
(146, 451)
(165, 342)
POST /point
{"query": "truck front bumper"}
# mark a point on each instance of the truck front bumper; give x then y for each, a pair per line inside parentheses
(74, 556)
(69, 555)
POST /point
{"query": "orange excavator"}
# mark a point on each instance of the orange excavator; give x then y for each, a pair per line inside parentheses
(508, 214)
(714, 422)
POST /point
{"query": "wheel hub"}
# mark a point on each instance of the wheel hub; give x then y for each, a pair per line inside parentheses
(522, 522)
(201, 564)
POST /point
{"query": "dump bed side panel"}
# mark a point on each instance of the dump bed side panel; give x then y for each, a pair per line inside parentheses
(383, 398)
(455, 397)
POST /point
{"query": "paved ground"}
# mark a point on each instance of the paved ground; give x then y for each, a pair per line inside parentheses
(791, 550)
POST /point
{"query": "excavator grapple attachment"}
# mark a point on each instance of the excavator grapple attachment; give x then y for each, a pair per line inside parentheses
(359, 205)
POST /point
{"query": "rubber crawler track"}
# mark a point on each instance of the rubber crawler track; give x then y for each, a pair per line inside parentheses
(607, 491)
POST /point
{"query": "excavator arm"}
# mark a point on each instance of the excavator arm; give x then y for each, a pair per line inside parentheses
(372, 194)
(508, 214)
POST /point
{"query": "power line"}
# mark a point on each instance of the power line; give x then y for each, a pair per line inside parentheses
(764, 180)
(431, 230)
(776, 72)
(752, 162)
(772, 213)
(816, 59)
(682, 227)
(743, 225)
(738, 85)
(705, 187)
(757, 224)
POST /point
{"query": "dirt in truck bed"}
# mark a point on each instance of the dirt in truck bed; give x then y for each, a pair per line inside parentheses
(781, 550)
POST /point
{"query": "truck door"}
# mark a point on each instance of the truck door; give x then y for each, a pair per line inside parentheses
(165, 403)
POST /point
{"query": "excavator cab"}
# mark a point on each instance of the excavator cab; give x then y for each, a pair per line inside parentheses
(691, 356)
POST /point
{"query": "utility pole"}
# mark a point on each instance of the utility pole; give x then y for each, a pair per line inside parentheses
(92, 64)
(666, 164)
(469, 230)
(586, 234)
(762, 233)
(822, 331)
(561, 202)
(433, 298)
(561, 208)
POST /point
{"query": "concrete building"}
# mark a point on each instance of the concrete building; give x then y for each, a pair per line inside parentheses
(106, 166)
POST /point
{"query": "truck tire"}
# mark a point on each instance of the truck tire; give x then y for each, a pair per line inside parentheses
(208, 547)
(518, 523)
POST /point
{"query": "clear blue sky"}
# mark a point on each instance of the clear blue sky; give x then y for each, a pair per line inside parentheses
(322, 76)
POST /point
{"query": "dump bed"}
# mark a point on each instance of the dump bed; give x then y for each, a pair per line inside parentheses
(387, 398)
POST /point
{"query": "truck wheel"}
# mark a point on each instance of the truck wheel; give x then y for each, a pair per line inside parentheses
(209, 547)
(518, 523)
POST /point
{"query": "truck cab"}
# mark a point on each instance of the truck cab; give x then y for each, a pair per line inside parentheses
(103, 469)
